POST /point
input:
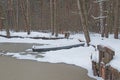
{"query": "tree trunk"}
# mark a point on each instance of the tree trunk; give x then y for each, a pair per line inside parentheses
(111, 17)
(101, 19)
(26, 16)
(17, 15)
(41, 13)
(52, 16)
(116, 21)
(53, 11)
(83, 17)
(9, 17)
(1, 20)
(107, 19)
(55, 18)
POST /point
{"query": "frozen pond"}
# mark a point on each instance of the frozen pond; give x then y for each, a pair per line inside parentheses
(16, 47)
(24, 50)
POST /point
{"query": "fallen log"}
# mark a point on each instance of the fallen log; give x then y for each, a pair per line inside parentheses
(37, 49)
(44, 38)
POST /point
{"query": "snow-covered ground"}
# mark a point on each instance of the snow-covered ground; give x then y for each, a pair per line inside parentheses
(79, 56)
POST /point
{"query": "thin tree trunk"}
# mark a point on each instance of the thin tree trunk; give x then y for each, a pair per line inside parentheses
(52, 16)
(26, 16)
(41, 13)
(22, 6)
(9, 17)
(17, 15)
(55, 18)
(1, 20)
(112, 16)
(101, 19)
(83, 17)
(107, 18)
(13, 15)
(116, 21)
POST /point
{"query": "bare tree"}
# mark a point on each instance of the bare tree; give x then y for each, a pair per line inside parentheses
(17, 15)
(41, 12)
(102, 16)
(52, 16)
(9, 17)
(116, 21)
(53, 10)
(55, 18)
(83, 16)
(1, 18)
(109, 18)
(26, 15)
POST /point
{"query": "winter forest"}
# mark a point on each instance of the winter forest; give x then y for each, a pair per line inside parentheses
(82, 33)
(57, 16)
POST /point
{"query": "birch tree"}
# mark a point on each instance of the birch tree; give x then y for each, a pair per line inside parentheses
(102, 16)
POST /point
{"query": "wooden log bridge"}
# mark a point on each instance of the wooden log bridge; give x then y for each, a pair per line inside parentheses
(35, 49)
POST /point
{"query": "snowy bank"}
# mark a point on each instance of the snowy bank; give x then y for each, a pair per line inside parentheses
(77, 56)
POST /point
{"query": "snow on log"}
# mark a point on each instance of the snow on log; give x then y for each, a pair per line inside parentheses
(49, 48)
